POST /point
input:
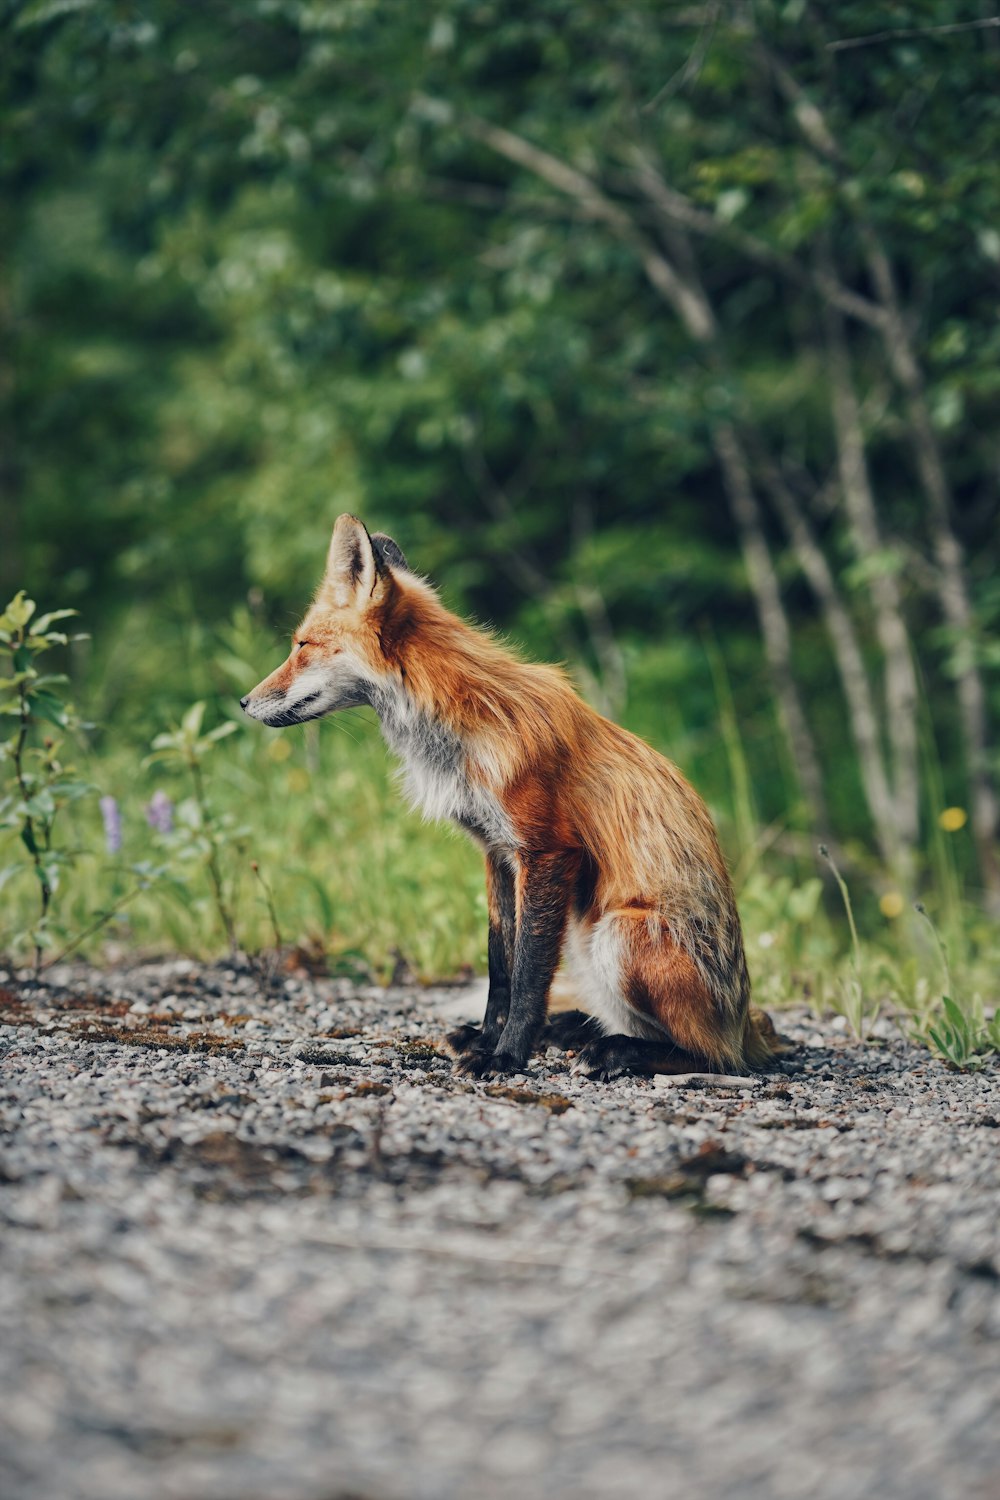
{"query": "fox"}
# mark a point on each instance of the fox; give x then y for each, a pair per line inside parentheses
(597, 849)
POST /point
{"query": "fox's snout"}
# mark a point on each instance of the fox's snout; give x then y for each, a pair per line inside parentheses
(291, 696)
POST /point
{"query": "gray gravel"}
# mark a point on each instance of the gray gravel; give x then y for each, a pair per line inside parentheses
(258, 1242)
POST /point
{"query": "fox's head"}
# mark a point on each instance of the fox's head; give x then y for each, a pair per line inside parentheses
(337, 652)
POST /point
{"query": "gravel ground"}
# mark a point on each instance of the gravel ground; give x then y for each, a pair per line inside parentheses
(260, 1244)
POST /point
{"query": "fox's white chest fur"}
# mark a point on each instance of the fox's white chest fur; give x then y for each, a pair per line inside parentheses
(434, 770)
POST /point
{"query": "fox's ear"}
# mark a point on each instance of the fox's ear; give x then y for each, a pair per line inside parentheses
(387, 553)
(351, 569)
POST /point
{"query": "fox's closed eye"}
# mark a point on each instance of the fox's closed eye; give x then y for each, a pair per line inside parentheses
(300, 644)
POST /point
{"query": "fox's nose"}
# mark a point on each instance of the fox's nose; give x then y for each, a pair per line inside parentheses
(244, 701)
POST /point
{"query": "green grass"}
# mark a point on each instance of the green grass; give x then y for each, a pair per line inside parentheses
(352, 872)
(346, 872)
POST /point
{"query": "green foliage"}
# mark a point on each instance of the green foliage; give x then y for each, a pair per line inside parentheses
(963, 1040)
(256, 836)
(37, 785)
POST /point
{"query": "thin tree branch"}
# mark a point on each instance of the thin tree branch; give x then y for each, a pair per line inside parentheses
(676, 208)
(599, 207)
(907, 33)
(693, 63)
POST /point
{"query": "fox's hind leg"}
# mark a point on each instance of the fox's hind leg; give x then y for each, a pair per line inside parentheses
(610, 1056)
(654, 1008)
(470, 1040)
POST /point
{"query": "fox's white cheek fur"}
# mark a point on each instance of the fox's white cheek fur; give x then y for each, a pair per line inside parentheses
(315, 691)
(307, 684)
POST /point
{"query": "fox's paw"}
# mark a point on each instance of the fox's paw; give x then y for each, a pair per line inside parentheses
(483, 1062)
(464, 1039)
(603, 1060)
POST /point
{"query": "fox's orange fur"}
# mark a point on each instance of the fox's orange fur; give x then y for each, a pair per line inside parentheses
(650, 928)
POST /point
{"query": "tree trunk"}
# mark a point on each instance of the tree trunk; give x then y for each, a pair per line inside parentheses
(771, 613)
(900, 678)
(953, 592)
(861, 711)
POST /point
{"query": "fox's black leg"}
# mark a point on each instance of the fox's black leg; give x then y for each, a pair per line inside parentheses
(544, 884)
(500, 949)
(609, 1056)
(570, 1029)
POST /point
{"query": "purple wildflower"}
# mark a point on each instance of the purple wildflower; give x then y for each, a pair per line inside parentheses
(112, 824)
(160, 812)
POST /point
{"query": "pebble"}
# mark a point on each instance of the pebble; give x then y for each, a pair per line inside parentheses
(248, 1257)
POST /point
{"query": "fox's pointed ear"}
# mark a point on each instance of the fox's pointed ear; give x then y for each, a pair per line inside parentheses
(387, 553)
(351, 569)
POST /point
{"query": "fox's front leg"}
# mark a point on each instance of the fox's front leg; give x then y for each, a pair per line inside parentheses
(543, 884)
(500, 949)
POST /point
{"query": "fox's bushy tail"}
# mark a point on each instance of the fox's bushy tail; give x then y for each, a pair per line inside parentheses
(761, 1041)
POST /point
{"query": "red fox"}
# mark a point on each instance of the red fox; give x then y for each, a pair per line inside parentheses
(594, 843)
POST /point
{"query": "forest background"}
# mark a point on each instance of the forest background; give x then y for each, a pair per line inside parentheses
(663, 337)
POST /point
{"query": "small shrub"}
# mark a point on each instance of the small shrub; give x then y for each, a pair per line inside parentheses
(38, 784)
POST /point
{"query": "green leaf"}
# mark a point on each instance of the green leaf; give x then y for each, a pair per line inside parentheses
(18, 612)
(191, 722)
(958, 1020)
(44, 706)
(43, 622)
(42, 806)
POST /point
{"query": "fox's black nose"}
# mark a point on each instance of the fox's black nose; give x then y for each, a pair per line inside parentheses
(244, 701)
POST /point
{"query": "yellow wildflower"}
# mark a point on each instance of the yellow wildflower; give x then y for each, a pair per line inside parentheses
(891, 904)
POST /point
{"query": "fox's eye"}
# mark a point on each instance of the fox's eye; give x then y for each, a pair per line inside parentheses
(300, 644)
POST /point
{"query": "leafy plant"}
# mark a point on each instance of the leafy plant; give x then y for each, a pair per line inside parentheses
(38, 783)
(961, 1039)
(961, 1034)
